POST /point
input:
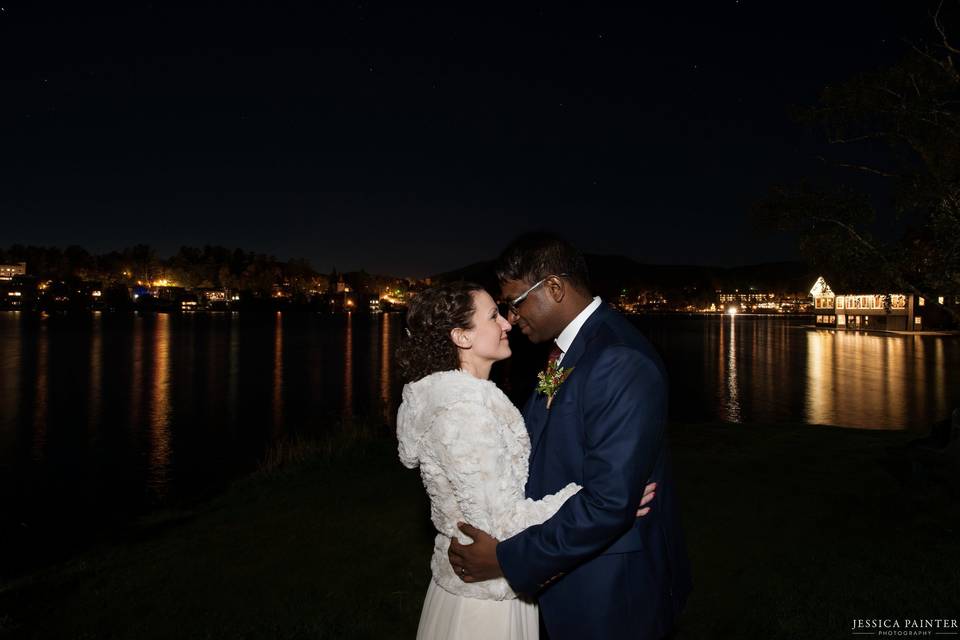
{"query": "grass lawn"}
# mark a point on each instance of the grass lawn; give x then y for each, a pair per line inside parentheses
(793, 532)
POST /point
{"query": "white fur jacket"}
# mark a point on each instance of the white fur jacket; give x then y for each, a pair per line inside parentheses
(472, 448)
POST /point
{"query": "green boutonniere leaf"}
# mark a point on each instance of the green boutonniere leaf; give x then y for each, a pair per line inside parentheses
(550, 380)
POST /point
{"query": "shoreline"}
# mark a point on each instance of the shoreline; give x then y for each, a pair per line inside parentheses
(889, 332)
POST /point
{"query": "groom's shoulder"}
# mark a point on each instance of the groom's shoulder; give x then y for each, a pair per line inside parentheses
(615, 329)
(617, 338)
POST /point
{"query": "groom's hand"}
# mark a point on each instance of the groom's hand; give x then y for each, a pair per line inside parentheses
(474, 562)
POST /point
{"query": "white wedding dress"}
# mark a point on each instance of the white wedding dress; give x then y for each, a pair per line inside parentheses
(472, 449)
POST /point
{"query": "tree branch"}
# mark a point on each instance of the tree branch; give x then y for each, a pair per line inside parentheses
(868, 136)
(943, 34)
(860, 167)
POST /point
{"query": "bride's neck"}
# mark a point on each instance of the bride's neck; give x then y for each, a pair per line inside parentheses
(477, 369)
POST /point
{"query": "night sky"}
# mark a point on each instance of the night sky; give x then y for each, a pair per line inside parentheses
(415, 141)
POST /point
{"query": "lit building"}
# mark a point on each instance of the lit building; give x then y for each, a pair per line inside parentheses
(760, 301)
(876, 311)
(214, 296)
(8, 271)
(823, 302)
(747, 299)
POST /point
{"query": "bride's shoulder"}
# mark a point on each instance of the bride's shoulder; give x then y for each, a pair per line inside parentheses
(445, 388)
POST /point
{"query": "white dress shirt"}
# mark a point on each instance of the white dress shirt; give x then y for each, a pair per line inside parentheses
(565, 339)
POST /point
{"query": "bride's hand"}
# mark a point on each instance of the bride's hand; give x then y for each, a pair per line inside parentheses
(648, 492)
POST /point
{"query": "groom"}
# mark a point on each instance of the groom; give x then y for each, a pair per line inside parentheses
(597, 570)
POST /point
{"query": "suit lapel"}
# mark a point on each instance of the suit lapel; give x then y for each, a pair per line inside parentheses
(537, 415)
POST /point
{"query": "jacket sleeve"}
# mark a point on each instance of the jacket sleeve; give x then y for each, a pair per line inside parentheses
(624, 411)
(470, 448)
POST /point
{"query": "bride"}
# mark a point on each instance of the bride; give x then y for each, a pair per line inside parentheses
(472, 448)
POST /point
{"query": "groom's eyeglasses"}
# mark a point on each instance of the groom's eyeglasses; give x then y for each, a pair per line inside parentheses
(513, 306)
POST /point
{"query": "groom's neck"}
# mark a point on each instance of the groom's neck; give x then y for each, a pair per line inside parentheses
(571, 306)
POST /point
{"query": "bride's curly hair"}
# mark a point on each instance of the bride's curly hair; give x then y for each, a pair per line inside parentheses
(427, 347)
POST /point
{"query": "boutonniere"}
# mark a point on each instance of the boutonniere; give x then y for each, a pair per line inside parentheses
(550, 380)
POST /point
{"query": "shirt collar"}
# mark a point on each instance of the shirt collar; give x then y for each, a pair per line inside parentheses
(565, 339)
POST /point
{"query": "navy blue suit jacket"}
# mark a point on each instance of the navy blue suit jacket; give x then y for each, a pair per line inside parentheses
(623, 576)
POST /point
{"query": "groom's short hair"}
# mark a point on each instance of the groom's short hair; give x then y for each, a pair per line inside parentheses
(534, 256)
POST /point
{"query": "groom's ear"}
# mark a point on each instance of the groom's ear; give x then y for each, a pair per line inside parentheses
(556, 289)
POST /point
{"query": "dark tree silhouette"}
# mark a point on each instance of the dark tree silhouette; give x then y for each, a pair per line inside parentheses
(911, 111)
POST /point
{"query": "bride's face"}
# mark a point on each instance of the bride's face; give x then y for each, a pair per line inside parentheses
(487, 338)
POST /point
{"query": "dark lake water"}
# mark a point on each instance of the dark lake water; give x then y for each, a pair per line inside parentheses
(106, 415)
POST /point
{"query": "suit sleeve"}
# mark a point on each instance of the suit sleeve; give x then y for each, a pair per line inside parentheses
(624, 411)
(470, 449)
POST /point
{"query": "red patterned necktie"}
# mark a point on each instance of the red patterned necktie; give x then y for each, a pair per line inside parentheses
(555, 354)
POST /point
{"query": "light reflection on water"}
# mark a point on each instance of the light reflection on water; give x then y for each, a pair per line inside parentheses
(386, 359)
(348, 368)
(768, 369)
(162, 401)
(278, 375)
(96, 372)
(730, 409)
(10, 400)
(233, 368)
(160, 449)
(870, 380)
(41, 402)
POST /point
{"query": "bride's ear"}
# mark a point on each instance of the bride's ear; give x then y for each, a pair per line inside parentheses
(460, 338)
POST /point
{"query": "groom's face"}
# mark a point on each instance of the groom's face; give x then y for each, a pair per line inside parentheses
(534, 316)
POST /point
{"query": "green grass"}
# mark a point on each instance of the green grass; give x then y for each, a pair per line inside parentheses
(792, 532)
(795, 532)
(330, 549)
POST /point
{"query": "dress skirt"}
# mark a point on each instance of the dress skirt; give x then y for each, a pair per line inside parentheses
(446, 616)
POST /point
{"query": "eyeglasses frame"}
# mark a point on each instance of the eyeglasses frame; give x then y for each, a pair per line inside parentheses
(513, 306)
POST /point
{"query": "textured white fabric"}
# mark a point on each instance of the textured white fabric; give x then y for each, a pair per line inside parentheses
(472, 449)
(449, 617)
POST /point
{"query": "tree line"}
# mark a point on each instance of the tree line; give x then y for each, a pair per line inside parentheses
(192, 267)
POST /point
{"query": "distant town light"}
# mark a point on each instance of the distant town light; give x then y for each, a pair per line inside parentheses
(732, 311)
